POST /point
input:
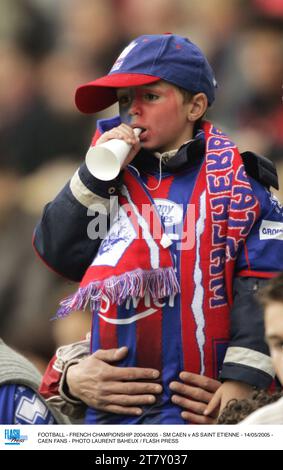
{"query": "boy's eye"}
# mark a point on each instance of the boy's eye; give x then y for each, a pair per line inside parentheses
(151, 96)
(124, 100)
(277, 345)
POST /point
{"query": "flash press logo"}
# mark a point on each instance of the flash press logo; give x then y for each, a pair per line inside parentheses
(13, 437)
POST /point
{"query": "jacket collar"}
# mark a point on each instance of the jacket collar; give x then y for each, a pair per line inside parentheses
(187, 156)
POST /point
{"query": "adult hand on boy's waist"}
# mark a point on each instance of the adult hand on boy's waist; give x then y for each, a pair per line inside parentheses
(192, 394)
(203, 399)
(120, 390)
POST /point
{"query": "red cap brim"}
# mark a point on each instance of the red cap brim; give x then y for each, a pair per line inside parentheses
(99, 94)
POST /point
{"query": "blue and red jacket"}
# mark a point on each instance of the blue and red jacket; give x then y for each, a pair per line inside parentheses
(61, 240)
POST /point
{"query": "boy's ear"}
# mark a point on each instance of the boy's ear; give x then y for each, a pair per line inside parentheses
(197, 107)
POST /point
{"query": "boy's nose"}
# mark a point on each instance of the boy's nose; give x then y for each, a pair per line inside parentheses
(135, 108)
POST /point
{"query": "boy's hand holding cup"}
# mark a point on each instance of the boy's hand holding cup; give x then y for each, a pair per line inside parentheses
(113, 151)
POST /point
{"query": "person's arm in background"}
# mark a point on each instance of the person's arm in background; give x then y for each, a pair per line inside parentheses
(54, 388)
(22, 405)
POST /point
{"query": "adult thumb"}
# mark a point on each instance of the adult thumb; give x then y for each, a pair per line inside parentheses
(111, 355)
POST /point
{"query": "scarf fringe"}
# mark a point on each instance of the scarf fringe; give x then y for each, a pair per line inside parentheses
(158, 283)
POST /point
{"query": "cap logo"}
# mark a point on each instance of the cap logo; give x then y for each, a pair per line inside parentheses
(122, 56)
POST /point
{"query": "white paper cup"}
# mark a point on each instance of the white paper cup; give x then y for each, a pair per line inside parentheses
(104, 161)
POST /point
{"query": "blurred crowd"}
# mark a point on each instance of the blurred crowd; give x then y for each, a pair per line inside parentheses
(47, 49)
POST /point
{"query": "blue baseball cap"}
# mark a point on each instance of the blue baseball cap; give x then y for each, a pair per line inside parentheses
(146, 60)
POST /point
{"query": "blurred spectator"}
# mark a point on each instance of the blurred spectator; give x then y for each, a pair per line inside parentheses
(213, 25)
(23, 23)
(71, 329)
(89, 28)
(151, 16)
(279, 193)
(251, 100)
(17, 84)
(261, 62)
(270, 7)
(38, 121)
(28, 292)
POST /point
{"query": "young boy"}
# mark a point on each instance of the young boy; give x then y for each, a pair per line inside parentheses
(272, 300)
(174, 284)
